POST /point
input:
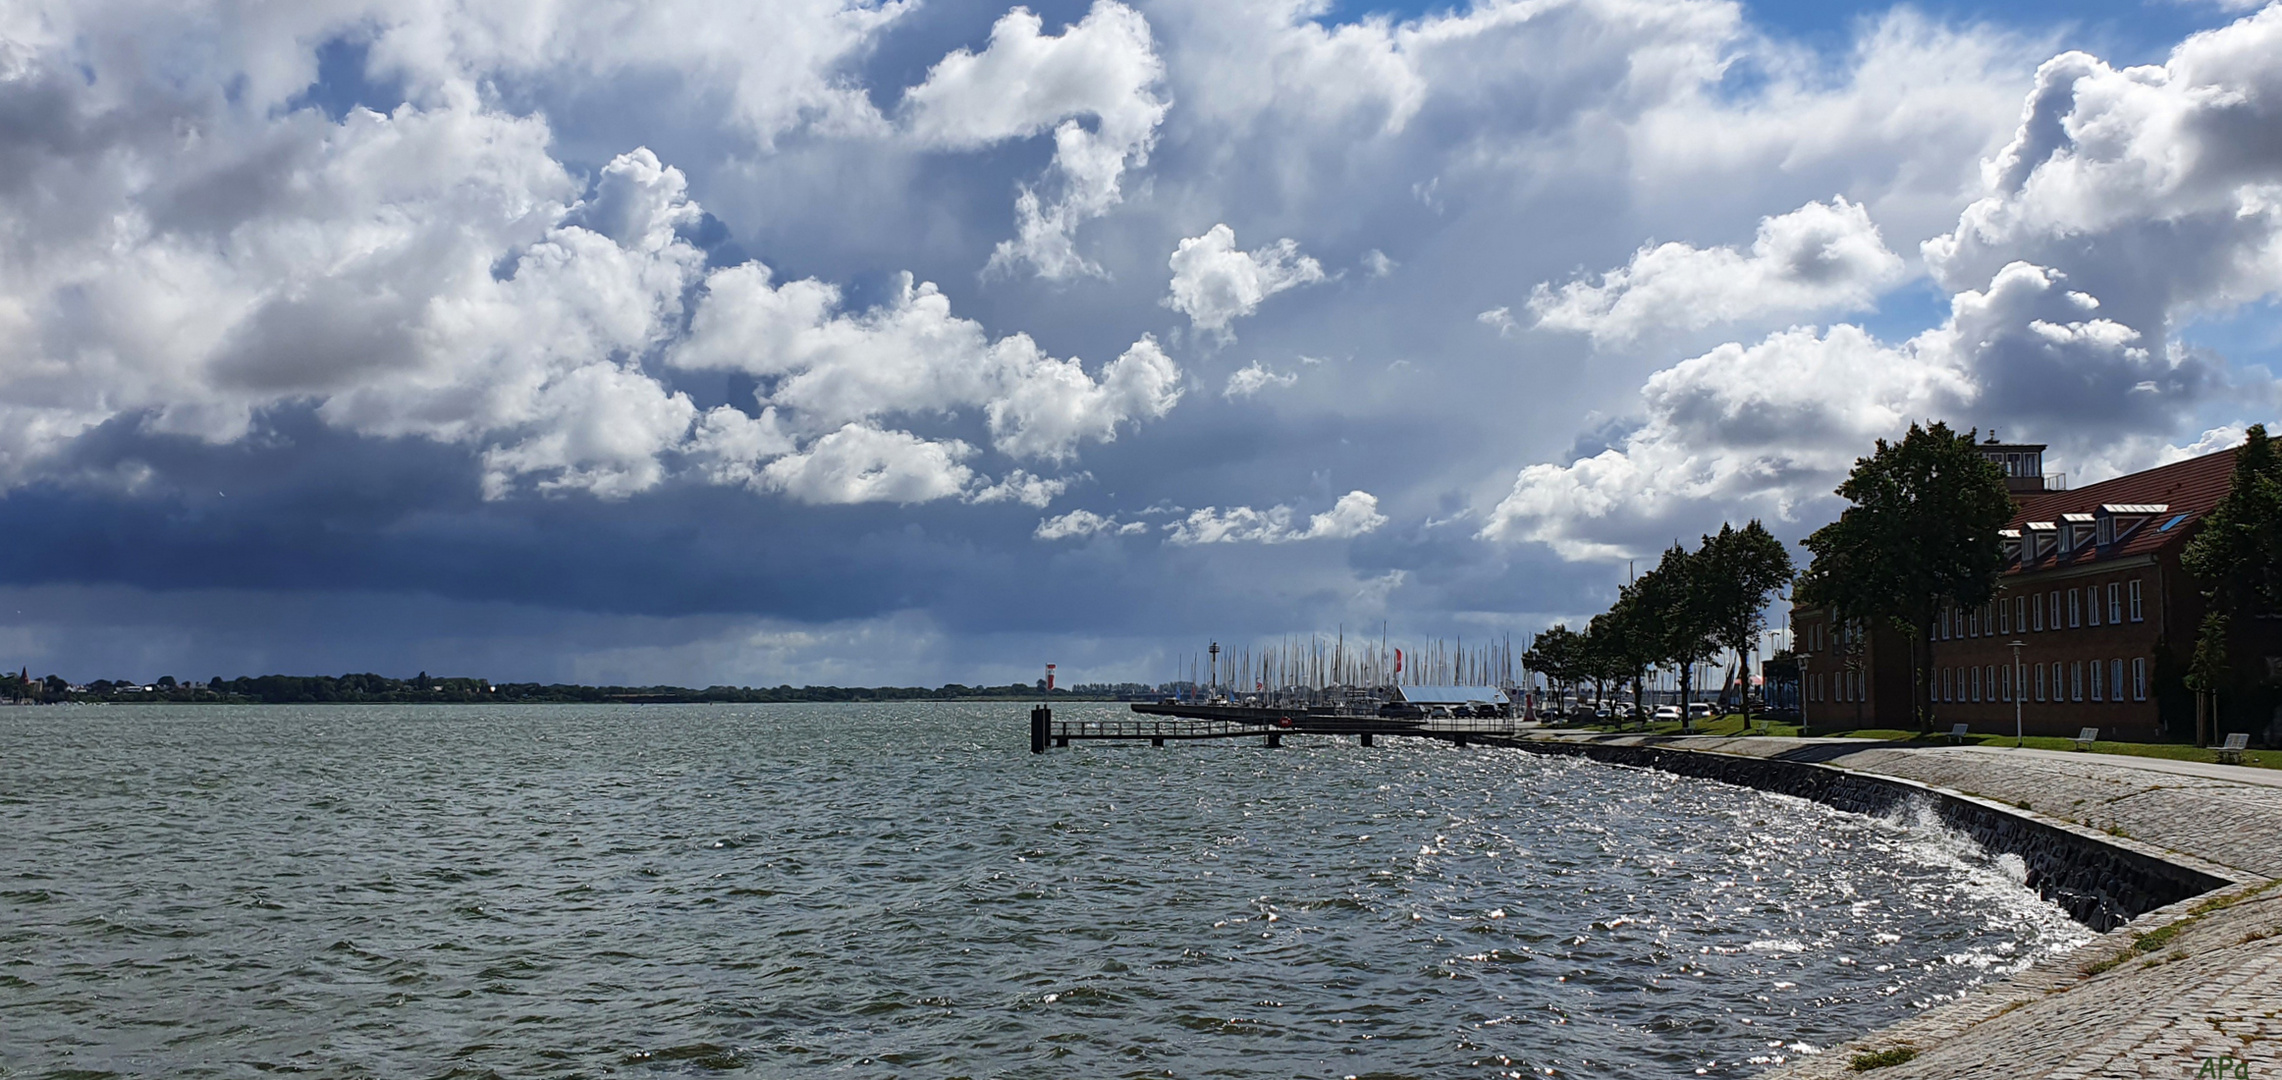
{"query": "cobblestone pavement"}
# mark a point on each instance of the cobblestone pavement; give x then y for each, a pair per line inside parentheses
(2202, 997)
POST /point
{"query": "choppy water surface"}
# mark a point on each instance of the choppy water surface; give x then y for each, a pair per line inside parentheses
(906, 891)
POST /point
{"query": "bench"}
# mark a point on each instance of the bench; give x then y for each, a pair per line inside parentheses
(2085, 737)
(1957, 734)
(2230, 751)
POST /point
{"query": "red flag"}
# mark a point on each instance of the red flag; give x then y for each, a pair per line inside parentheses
(1398, 661)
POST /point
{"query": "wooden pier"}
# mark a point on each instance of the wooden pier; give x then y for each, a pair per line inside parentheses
(1158, 723)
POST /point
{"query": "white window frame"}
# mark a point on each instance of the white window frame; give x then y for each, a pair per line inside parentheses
(2038, 604)
(1976, 681)
(2055, 595)
(2115, 602)
(2139, 678)
(2136, 613)
(2040, 680)
(2091, 604)
(2004, 616)
(2075, 610)
(2096, 680)
(2076, 680)
(2116, 679)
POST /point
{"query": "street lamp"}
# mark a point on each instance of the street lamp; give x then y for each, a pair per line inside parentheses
(1805, 729)
(2017, 694)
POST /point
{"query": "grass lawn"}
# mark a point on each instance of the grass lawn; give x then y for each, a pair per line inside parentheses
(1733, 725)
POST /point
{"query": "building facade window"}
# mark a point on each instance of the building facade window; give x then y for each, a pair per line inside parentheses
(2075, 611)
(2091, 605)
(2116, 679)
(2135, 610)
(2020, 613)
(2008, 681)
(2039, 606)
(2004, 616)
(2115, 602)
(2096, 680)
(2054, 597)
(2040, 682)
(2139, 678)
(1973, 623)
(1976, 685)
(2076, 680)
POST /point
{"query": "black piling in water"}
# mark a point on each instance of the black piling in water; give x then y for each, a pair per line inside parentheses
(1274, 740)
(1041, 722)
(1366, 739)
(1156, 742)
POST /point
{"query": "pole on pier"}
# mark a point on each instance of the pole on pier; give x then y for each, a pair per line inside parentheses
(1275, 740)
(1366, 739)
(1041, 722)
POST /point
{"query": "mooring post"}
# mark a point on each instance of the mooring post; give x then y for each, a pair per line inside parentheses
(1274, 740)
(1041, 722)
(1157, 741)
(1366, 739)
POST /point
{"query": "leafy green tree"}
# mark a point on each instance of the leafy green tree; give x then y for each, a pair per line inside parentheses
(1675, 599)
(1625, 635)
(2237, 555)
(1740, 569)
(1920, 535)
(1558, 653)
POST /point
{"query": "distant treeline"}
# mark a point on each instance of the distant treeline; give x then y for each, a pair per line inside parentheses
(421, 688)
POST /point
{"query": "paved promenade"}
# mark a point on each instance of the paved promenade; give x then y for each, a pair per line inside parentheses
(2206, 988)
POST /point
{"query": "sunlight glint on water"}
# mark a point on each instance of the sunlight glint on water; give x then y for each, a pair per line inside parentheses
(905, 890)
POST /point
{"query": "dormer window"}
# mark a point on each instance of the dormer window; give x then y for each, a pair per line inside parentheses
(2076, 530)
(2119, 520)
(2012, 542)
(2043, 538)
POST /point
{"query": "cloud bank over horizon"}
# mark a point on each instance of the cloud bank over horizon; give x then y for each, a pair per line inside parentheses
(890, 342)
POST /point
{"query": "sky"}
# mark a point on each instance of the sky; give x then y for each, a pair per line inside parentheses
(864, 342)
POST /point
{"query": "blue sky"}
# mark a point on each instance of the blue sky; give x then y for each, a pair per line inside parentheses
(841, 341)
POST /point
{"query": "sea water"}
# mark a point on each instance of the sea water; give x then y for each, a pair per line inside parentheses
(904, 890)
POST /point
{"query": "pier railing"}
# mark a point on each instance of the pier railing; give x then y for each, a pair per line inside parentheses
(1270, 725)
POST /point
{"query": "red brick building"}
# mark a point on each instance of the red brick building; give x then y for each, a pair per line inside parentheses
(2093, 593)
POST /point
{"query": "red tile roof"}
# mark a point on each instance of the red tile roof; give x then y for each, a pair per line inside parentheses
(2190, 488)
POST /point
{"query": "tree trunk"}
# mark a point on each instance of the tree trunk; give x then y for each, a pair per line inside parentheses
(1743, 685)
(1687, 690)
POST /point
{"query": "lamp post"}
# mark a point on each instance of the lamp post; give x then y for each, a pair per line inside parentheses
(1805, 729)
(2017, 692)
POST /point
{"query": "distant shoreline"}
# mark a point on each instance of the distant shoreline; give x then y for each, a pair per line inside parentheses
(425, 690)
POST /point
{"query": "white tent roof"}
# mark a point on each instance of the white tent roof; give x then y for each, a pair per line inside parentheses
(1450, 695)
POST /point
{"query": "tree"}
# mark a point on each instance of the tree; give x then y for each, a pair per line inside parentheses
(1741, 569)
(1625, 635)
(1557, 652)
(1674, 599)
(2237, 555)
(1920, 535)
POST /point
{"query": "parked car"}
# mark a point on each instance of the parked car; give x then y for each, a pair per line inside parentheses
(1699, 710)
(1665, 713)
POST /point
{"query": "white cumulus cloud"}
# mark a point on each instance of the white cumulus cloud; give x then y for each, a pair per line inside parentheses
(859, 464)
(1356, 513)
(1255, 377)
(1078, 524)
(1025, 83)
(1215, 284)
(1820, 257)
